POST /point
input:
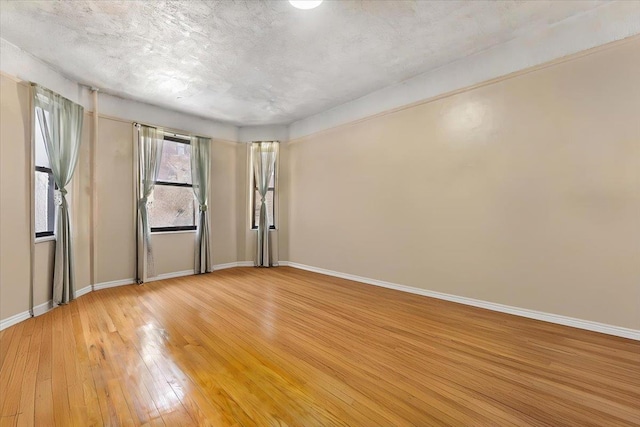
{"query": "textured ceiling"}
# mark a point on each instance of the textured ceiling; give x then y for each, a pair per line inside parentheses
(263, 62)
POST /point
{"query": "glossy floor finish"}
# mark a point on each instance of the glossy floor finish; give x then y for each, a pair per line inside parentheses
(263, 347)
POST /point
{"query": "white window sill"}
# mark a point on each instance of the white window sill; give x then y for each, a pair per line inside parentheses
(45, 239)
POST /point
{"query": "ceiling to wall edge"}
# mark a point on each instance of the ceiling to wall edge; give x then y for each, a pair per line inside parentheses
(561, 41)
(26, 67)
(558, 43)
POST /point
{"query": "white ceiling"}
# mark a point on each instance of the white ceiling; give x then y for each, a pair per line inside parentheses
(263, 62)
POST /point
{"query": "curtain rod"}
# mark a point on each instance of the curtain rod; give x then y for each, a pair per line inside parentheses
(171, 131)
(34, 84)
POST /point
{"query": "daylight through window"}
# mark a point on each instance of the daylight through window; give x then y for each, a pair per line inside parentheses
(172, 204)
(44, 186)
(269, 199)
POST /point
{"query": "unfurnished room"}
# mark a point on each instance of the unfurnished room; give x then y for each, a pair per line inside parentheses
(320, 213)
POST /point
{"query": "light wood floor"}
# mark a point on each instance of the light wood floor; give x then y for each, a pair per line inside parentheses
(258, 347)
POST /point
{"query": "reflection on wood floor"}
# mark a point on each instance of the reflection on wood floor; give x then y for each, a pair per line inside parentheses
(262, 347)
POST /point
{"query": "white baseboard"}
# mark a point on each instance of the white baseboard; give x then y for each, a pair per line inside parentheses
(523, 312)
(215, 267)
(171, 275)
(224, 266)
(232, 265)
(532, 314)
(16, 318)
(41, 309)
(47, 306)
(112, 284)
(245, 264)
(82, 291)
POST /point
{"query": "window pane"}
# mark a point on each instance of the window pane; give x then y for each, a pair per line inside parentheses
(272, 180)
(40, 150)
(44, 205)
(175, 165)
(172, 206)
(270, 206)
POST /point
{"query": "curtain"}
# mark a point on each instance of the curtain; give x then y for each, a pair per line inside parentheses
(200, 171)
(61, 127)
(264, 156)
(150, 142)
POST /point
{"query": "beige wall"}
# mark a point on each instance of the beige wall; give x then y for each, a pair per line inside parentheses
(43, 272)
(524, 192)
(115, 231)
(245, 237)
(115, 234)
(283, 202)
(15, 237)
(80, 195)
(173, 252)
(222, 202)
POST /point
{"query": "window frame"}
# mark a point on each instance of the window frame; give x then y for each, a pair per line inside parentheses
(252, 191)
(51, 187)
(179, 140)
(51, 204)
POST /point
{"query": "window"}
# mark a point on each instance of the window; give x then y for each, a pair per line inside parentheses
(44, 186)
(270, 200)
(172, 204)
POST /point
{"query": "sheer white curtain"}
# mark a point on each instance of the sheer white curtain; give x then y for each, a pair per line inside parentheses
(264, 155)
(61, 126)
(150, 142)
(200, 172)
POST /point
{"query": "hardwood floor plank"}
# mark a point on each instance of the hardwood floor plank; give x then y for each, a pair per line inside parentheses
(11, 390)
(44, 404)
(140, 344)
(5, 340)
(246, 331)
(235, 341)
(86, 384)
(11, 355)
(284, 347)
(60, 390)
(8, 421)
(28, 393)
